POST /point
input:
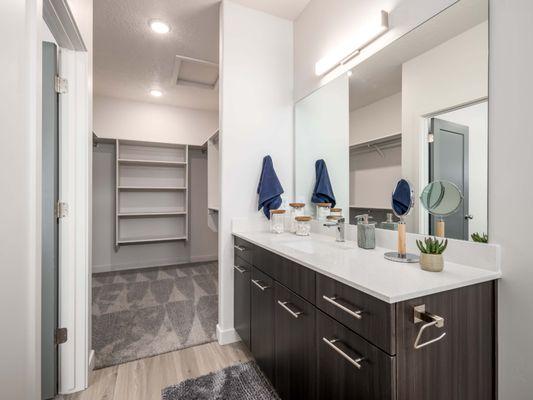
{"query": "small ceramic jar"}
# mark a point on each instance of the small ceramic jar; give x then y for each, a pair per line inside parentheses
(303, 225)
(337, 212)
(277, 221)
(297, 210)
(322, 211)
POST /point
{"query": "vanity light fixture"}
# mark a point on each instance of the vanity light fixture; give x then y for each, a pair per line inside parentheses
(156, 93)
(344, 54)
(159, 26)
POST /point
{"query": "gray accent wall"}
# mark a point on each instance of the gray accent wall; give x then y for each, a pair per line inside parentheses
(202, 243)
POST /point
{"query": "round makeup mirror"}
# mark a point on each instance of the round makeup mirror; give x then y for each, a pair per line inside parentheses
(402, 201)
(441, 198)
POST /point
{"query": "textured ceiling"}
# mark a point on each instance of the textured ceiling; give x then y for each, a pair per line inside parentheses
(381, 75)
(130, 59)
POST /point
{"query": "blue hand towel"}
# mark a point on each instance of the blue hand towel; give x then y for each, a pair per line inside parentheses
(323, 192)
(269, 188)
(401, 198)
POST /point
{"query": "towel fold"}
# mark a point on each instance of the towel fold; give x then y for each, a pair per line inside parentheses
(323, 192)
(269, 188)
(401, 198)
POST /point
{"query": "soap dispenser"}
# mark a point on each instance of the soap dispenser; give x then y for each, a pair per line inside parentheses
(366, 232)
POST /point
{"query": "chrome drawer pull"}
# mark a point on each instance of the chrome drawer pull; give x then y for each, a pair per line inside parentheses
(421, 315)
(257, 283)
(356, 362)
(355, 314)
(295, 314)
(237, 247)
(239, 269)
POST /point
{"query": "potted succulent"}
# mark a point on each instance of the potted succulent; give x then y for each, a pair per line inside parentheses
(480, 237)
(431, 250)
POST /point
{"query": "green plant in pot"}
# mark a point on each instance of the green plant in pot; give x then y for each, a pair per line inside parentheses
(431, 250)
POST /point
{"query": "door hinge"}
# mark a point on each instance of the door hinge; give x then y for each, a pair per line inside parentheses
(61, 85)
(60, 335)
(61, 209)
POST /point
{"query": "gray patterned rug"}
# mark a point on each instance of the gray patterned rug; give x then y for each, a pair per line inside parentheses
(238, 382)
(142, 313)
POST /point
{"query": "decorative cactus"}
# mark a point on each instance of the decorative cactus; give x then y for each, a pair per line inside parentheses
(432, 245)
(480, 238)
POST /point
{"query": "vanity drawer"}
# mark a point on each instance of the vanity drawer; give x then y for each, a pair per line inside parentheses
(297, 278)
(349, 367)
(244, 249)
(371, 318)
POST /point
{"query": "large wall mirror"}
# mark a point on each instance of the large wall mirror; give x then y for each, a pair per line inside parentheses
(418, 110)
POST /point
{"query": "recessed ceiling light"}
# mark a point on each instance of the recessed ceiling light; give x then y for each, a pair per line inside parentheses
(159, 26)
(349, 73)
(156, 93)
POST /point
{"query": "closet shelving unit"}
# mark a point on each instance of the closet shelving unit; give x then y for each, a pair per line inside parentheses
(151, 189)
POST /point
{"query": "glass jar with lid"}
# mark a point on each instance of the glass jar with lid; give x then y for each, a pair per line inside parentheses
(337, 212)
(322, 211)
(277, 221)
(303, 225)
(297, 210)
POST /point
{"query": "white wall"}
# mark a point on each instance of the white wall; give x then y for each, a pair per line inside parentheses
(476, 118)
(20, 166)
(321, 131)
(449, 75)
(510, 189)
(202, 245)
(327, 25)
(126, 119)
(256, 119)
(377, 120)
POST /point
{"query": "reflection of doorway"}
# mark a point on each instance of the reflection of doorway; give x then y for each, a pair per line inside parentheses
(449, 161)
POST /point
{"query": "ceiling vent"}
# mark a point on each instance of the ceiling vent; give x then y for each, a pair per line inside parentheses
(194, 72)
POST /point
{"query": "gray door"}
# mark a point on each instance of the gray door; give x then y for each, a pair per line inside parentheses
(448, 160)
(50, 193)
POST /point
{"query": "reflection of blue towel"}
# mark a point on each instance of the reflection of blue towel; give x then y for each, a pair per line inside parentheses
(269, 188)
(322, 193)
(401, 198)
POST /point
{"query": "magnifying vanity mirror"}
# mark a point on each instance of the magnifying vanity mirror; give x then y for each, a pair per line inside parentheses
(442, 199)
(414, 110)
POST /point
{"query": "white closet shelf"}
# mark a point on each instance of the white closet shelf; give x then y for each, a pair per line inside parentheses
(152, 188)
(130, 161)
(152, 239)
(151, 214)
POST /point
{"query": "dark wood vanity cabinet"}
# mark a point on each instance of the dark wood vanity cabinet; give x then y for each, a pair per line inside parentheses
(341, 343)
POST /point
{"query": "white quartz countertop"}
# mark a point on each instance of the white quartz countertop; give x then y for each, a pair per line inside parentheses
(367, 270)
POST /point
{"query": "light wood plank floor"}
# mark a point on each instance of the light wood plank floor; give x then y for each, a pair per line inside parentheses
(144, 379)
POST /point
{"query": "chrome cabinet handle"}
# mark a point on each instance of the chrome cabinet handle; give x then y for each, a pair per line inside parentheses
(355, 314)
(239, 269)
(421, 315)
(283, 304)
(257, 283)
(237, 247)
(355, 362)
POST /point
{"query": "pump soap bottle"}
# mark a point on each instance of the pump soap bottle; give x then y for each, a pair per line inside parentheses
(366, 232)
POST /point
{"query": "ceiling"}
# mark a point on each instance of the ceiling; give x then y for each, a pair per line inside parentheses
(380, 76)
(129, 59)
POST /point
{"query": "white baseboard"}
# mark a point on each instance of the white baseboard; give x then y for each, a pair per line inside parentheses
(154, 264)
(227, 336)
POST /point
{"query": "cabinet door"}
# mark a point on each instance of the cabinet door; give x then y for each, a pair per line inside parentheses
(349, 367)
(295, 368)
(242, 272)
(263, 322)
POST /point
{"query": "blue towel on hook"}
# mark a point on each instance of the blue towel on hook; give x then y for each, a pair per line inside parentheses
(323, 192)
(269, 188)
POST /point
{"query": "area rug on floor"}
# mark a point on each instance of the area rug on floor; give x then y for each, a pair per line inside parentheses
(238, 382)
(142, 313)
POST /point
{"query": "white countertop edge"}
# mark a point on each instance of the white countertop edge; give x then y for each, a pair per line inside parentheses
(488, 276)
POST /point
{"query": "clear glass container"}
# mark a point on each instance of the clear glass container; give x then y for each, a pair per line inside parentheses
(303, 225)
(277, 221)
(337, 212)
(297, 210)
(322, 211)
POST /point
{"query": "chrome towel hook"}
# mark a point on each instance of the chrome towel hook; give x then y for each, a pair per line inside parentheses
(421, 315)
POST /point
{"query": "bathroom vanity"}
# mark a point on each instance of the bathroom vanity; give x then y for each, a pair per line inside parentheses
(326, 320)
